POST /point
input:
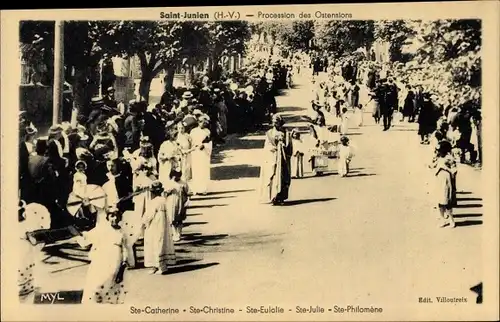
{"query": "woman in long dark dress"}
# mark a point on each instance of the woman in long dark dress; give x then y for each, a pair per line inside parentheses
(427, 119)
(409, 106)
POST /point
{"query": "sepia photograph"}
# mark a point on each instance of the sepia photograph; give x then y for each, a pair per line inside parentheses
(307, 164)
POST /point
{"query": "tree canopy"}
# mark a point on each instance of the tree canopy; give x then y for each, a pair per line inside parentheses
(344, 37)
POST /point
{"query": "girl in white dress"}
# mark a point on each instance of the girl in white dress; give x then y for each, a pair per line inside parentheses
(169, 157)
(297, 161)
(445, 169)
(345, 156)
(185, 144)
(105, 276)
(201, 155)
(80, 179)
(159, 251)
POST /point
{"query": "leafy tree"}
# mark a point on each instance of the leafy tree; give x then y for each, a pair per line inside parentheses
(158, 45)
(227, 38)
(396, 33)
(344, 37)
(448, 61)
(299, 35)
(37, 43)
(81, 53)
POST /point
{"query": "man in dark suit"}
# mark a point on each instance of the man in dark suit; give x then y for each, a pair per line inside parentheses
(391, 103)
(109, 100)
(42, 175)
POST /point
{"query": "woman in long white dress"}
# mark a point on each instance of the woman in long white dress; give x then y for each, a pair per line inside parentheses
(159, 251)
(169, 157)
(105, 276)
(200, 157)
(176, 191)
(185, 144)
(141, 181)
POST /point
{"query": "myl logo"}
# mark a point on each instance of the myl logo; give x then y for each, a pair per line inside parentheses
(61, 297)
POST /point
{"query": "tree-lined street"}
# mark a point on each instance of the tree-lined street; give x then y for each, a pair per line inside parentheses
(368, 237)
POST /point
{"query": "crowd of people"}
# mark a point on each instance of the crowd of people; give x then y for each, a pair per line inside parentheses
(342, 90)
(146, 161)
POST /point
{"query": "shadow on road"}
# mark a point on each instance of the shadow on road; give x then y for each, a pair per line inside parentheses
(195, 214)
(469, 199)
(198, 239)
(306, 201)
(192, 223)
(188, 268)
(228, 172)
(197, 198)
(360, 175)
(206, 206)
(244, 144)
(228, 191)
(471, 205)
(468, 223)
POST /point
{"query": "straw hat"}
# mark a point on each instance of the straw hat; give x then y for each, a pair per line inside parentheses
(55, 129)
(187, 95)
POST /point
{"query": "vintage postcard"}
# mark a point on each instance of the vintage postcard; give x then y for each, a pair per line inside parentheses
(328, 162)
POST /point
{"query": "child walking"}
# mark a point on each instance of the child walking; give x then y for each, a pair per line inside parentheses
(345, 121)
(297, 162)
(445, 167)
(176, 191)
(345, 156)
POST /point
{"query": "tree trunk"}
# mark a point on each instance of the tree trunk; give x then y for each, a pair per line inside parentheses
(189, 75)
(169, 78)
(80, 105)
(145, 86)
(211, 65)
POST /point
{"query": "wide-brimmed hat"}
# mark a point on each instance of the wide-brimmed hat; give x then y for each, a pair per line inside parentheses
(81, 162)
(197, 112)
(31, 130)
(111, 89)
(96, 101)
(55, 129)
(187, 95)
(156, 187)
